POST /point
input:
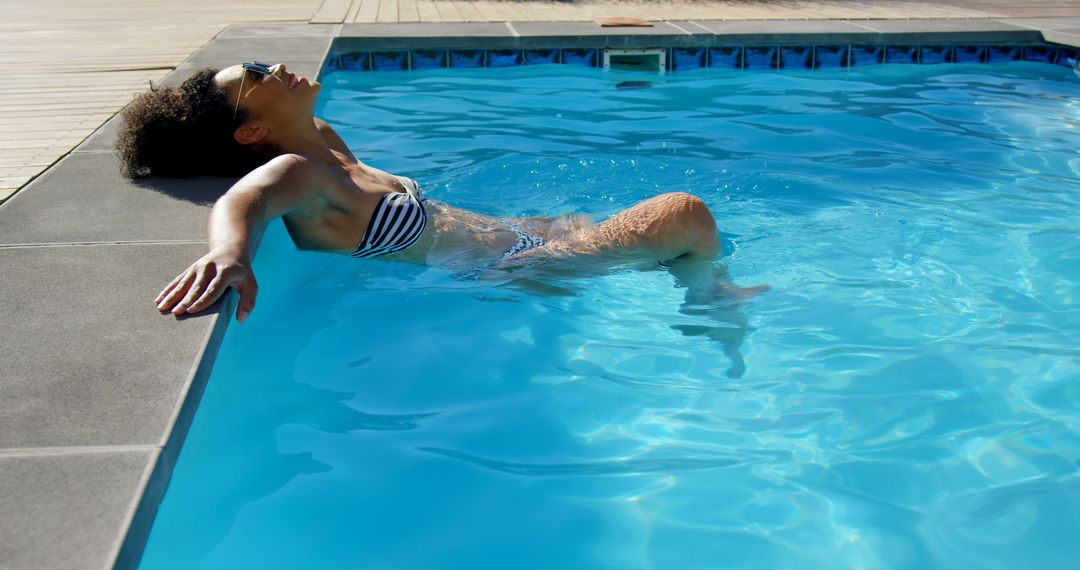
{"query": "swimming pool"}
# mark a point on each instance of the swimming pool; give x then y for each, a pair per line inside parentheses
(911, 381)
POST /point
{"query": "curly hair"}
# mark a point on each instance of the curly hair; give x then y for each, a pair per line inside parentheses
(185, 131)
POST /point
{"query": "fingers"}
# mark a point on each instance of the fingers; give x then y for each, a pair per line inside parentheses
(203, 276)
(205, 281)
(249, 289)
(213, 291)
(175, 291)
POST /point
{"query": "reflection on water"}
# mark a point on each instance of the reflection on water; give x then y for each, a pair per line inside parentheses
(905, 395)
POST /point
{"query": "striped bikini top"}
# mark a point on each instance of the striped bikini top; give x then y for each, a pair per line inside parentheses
(397, 223)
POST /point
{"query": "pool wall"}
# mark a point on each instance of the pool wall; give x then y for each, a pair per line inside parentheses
(105, 388)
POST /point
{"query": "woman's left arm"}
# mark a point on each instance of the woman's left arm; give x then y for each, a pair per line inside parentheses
(332, 138)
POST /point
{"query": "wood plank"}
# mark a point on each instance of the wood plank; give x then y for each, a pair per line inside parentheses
(448, 12)
(367, 11)
(469, 11)
(427, 10)
(29, 162)
(13, 181)
(332, 12)
(67, 144)
(387, 11)
(407, 11)
(8, 119)
(18, 171)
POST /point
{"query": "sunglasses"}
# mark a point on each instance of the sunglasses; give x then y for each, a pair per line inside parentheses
(261, 69)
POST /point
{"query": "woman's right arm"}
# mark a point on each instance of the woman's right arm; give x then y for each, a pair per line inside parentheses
(237, 221)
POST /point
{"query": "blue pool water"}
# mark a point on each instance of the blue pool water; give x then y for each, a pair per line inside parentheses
(912, 380)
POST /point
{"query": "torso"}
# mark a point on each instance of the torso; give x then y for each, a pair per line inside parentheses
(337, 219)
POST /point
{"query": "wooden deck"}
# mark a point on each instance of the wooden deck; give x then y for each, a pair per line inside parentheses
(69, 65)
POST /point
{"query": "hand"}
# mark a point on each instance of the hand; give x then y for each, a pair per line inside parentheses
(206, 280)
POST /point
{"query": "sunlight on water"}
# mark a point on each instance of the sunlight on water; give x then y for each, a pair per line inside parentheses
(905, 396)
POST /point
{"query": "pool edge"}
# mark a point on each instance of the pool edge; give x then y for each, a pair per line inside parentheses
(141, 515)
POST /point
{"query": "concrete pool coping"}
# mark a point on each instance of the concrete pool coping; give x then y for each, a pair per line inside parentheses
(100, 389)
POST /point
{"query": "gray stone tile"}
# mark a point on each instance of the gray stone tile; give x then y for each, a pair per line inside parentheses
(956, 25)
(84, 198)
(67, 510)
(356, 37)
(1063, 38)
(419, 30)
(800, 31)
(1045, 23)
(88, 359)
(585, 29)
(278, 31)
(782, 31)
(918, 31)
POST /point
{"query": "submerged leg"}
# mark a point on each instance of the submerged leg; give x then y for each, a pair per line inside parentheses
(675, 230)
(712, 295)
(669, 226)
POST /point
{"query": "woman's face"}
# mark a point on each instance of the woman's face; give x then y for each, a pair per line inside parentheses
(278, 98)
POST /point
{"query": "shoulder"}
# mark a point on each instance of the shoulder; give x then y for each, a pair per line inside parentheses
(292, 168)
(289, 178)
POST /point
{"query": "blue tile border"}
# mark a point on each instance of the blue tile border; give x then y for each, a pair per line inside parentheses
(1042, 54)
(760, 57)
(541, 56)
(866, 55)
(730, 57)
(831, 56)
(902, 54)
(467, 58)
(688, 58)
(581, 56)
(397, 60)
(797, 57)
(997, 54)
(969, 54)
(429, 58)
(1067, 56)
(684, 58)
(936, 54)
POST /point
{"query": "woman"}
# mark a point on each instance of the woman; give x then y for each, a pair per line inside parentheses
(256, 119)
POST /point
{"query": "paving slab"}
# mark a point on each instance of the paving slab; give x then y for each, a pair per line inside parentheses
(952, 25)
(422, 30)
(1045, 23)
(585, 29)
(782, 31)
(84, 198)
(67, 509)
(974, 30)
(88, 359)
(1064, 38)
(826, 31)
(421, 35)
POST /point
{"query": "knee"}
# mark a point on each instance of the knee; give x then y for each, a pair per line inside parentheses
(691, 211)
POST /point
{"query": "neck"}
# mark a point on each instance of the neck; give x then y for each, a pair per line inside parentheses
(302, 138)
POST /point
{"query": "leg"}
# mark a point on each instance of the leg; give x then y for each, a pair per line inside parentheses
(676, 229)
(714, 300)
(669, 226)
